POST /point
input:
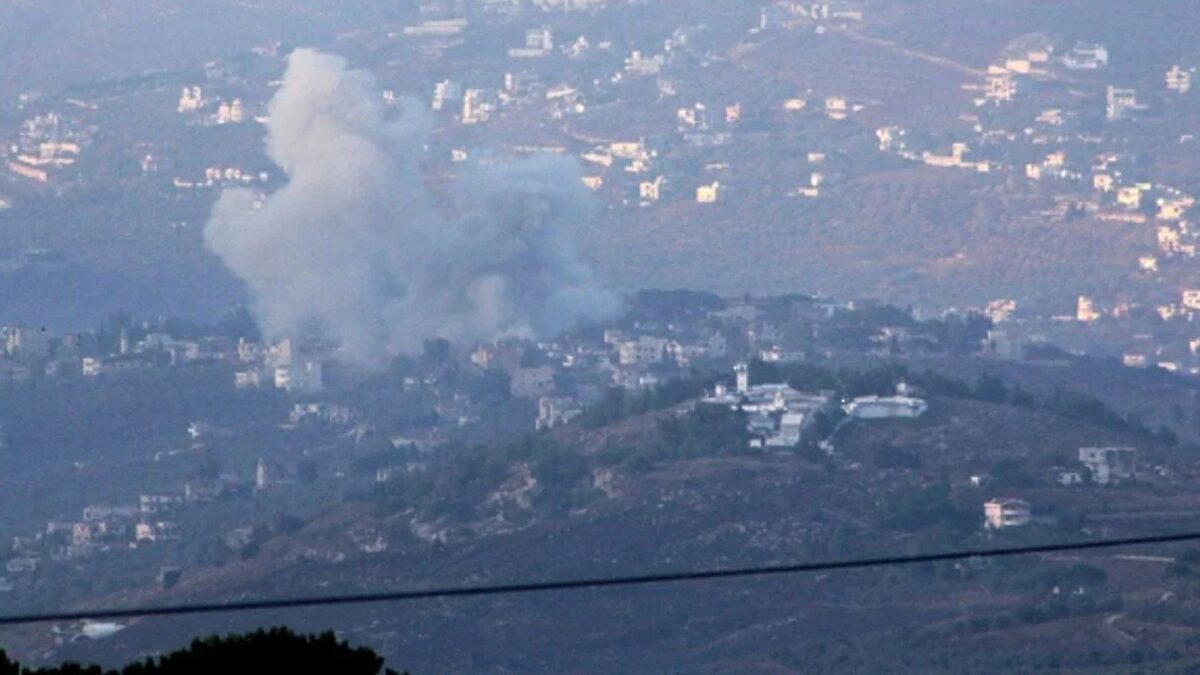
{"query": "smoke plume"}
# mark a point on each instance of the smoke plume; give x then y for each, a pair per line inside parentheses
(353, 246)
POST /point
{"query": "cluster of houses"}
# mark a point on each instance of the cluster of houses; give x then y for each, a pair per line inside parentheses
(33, 352)
(627, 169)
(192, 101)
(627, 361)
(46, 145)
(100, 528)
(561, 377)
(778, 414)
(1177, 351)
(1099, 466)
(222, 177)
(106, 528)
(1090, 177)
(281, 365)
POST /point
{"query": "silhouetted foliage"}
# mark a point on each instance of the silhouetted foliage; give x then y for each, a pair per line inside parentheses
(895, 458)
(927, 508)
(709, 430)
(617, 404)
(672, 303)
(1021, 398)
(1086, 408)
(436, 352)
(1066, 579)
(278, 650)
(990, 388)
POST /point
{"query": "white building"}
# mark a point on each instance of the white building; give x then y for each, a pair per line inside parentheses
(885, 407)
(1068, 478)
(1085, 310)
(651, 191)
(191, 99)
(741, 372)
(643, 350)
(1179, 80)
(638, 63)
(836, 108)
(1086, 56)
(158, 503)
(634, 379)
(22, 342)
(436, 28)
(231, 113)
(790, 427)
(261, 476)
(1006, 512)
(1120, 101)
(247, 379)
(445, 92)
(555, 411)
(326, 413)
(279, 354)
(303, 377)
(1109, 465)
(477, 106)
(777, 413)
(1190, 298)
(538, 42)
(708, 194)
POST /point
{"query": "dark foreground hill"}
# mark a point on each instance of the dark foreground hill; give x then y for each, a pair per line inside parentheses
(276, 650)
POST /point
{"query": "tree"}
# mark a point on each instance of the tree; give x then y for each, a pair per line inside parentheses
(892, 457)
(277, 650)
(1021, 398)
(436, 352)
(991, 389)
(307, 471)
(929, 507)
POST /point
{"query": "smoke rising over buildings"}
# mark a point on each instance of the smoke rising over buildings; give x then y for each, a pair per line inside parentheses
(353, 246)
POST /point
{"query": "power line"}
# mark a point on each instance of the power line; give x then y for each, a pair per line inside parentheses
(579, 584)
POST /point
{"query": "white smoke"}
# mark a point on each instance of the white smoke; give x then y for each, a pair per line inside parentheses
(353, 246)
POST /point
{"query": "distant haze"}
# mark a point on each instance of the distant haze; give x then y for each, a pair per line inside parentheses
(353, 246)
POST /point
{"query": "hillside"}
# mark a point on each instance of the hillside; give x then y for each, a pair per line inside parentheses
(910, 236)
(881, 227)
(46, 46)
(727, 509)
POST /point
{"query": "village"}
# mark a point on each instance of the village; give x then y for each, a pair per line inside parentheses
(315, 451)
(1060, 124)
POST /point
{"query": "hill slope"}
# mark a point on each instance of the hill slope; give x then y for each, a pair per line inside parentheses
(704, 512)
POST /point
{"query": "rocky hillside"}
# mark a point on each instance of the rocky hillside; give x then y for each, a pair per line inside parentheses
(890, 487)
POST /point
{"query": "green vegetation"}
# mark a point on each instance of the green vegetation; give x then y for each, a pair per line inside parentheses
(931, 507)
(1094, 411)
(617, 404)
(895, 458)
(458, 478)
(277, 650)
(668, 304)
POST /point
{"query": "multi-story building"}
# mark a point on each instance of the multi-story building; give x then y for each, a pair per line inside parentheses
(643, 350)
(1120, 101)
(1085, 310)
(1179, 80)
(1006, 512)
(532, 382)
(1109, 464)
